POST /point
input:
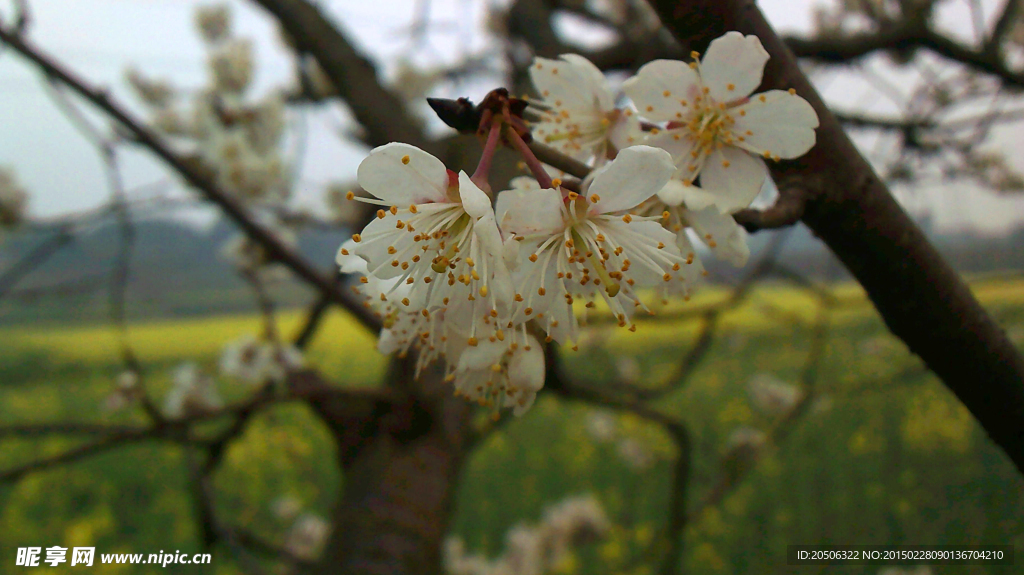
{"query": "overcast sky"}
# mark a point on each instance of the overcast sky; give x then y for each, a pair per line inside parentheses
(100, 38)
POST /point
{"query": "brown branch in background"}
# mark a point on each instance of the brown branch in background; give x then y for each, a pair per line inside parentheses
(192, 174)
(902, 36)
(552, 157)
(305, 385)
(787, 211)
(380, 112)
(315, 314)
(922, 300)
(1012, 11)
(67, 428)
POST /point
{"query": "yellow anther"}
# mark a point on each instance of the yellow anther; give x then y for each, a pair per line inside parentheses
(405, 160)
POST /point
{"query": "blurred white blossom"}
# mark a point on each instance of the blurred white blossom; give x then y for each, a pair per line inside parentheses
(771, 395)
(192, 393)
(307, 536)
(255, 361)
(535, 549)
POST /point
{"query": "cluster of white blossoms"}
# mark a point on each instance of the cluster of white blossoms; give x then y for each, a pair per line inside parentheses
(536, 549)
(258, 361)
(235, 135)
(192, 393)
(479, 280)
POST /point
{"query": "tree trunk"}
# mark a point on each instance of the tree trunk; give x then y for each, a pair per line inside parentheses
(399, 481)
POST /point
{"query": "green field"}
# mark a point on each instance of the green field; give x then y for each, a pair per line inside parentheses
(877, 460)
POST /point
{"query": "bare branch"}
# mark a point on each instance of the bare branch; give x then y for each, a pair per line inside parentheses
(194, 176)
(34, 259)
(381, 113)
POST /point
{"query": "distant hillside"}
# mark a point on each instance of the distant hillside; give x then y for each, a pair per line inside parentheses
(178, 270)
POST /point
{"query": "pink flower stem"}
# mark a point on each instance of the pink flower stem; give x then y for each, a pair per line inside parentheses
(531, 160)
(483, 168)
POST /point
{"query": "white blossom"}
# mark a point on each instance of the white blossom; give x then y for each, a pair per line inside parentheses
(720, 232)
(156, 93)
(632, 451)
(435, 233)
(495, 374)
(588, 243)
(125, 393)
(714, 128)
(772, 395)
(579, 116)
(307, 536)
(254, 361)
(601, 426)
(535, 549)
(192, 393)
(231, 66)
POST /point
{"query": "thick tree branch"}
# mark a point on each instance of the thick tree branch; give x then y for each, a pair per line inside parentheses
(381, 113)
(787, 210)
(922, 300)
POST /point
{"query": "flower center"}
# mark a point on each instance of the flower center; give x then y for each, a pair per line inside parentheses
(711, 125)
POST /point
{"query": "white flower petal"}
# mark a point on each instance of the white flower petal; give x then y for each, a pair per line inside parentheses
(481, 356)
(474, 200)
(672, 194)
(563, 85)
(528, 212)
(596, 84)
(778, 122)
(626, 132)
(526, 368)
(722, 234)
(676, 193)
(733, 60)
(523, 183)
(733, 177)
(635, 175)
(349, 262)
(403, 175)
(648, 88)
(677, 143)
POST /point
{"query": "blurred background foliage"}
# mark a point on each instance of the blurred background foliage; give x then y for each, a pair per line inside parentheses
(885, 454)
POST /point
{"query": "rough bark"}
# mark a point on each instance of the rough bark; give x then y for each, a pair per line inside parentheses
(400, 479)
(922, 300)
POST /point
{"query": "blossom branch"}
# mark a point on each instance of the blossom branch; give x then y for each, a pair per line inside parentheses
(192, 174)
